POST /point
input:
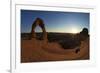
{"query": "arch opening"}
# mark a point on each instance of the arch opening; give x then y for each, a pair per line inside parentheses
(39, 22)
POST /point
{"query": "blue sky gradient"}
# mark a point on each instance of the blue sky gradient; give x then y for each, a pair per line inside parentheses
(54, 21)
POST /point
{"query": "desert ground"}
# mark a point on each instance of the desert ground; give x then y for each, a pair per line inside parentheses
(36, 50)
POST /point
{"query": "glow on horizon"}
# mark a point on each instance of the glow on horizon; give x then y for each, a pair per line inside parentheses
(74, 31)
(66, 29)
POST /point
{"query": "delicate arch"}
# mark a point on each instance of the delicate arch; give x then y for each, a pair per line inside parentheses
(38, 22)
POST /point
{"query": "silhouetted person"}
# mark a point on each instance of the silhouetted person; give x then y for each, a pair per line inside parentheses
(77, 50)
(38, 22)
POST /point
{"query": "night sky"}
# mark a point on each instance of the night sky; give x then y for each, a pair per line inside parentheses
(63, 22)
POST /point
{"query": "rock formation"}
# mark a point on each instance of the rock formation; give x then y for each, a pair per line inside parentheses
(38, 22)
(84, 34)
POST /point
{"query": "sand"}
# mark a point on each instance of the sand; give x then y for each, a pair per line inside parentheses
(40, 51)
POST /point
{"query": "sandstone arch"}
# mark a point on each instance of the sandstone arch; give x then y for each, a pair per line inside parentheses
(38, 22)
